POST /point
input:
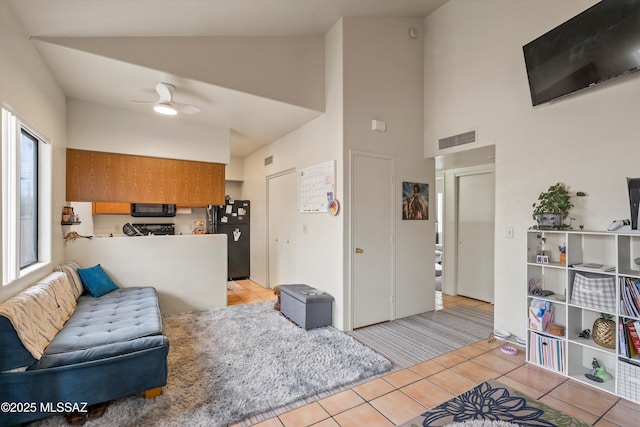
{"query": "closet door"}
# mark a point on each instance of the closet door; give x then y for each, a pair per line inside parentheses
(476, 213)
(282, 193)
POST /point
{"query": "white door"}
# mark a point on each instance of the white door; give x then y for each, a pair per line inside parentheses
(476, 210)
(372, 254)
(282, 193)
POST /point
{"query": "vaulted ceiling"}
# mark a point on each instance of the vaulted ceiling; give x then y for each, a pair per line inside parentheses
(255, 67)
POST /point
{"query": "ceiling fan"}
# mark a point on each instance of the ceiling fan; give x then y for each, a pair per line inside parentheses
(165, 103)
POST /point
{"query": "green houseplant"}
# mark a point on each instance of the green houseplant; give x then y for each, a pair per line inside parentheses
(552, 207)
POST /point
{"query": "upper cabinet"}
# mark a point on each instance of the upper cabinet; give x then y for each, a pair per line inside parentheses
(99, 208)
(109, 177)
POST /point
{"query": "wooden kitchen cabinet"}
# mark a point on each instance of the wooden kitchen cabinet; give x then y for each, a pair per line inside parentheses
(99, 208)
(110, 177)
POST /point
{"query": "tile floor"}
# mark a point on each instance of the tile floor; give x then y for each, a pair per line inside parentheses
(400, 396)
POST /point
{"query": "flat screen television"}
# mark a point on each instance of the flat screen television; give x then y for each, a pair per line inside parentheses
(599, 44)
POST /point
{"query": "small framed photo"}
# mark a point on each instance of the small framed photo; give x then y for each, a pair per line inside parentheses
(545, 259)
(539, 259)
(415, 201)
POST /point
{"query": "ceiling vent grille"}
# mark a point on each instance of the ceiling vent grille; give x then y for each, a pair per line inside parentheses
(455, 140)
(268, 160)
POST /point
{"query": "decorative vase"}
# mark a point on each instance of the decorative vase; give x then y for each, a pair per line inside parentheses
(604, 332)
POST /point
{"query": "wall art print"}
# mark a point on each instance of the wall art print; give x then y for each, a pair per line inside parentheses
(415, 201)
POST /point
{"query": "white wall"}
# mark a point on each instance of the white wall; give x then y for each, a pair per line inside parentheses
(475, 78)
(234, 170)
(233, 189)
(383, 80)
(319, 250)
(96, 127)
(30, 91)
(161, 262)
(373, 71)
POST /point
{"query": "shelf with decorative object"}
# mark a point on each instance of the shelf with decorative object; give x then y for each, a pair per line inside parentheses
(580, 360)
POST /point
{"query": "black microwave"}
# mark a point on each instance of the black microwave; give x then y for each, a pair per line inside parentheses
(152, 209)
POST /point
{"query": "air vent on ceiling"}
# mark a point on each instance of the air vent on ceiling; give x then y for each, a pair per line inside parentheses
(460, 139)
(268, 160)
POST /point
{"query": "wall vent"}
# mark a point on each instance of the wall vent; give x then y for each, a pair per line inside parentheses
(268, 160)
(455, 140)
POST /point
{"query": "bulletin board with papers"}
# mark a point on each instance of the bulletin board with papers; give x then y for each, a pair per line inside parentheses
(316, 187)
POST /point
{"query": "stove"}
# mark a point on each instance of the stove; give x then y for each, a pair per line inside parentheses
(156, 229)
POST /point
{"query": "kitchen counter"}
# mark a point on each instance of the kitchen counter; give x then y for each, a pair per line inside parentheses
(188, 271)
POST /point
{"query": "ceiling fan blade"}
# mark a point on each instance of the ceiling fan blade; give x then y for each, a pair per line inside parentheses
(165, 91)
(135, 101)
(186, 108)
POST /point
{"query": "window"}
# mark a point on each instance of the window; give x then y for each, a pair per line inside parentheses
(28, 159)
(22, 199)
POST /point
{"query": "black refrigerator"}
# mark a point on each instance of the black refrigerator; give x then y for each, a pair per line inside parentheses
(232, 219)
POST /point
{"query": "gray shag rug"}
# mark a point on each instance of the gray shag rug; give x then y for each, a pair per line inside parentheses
(228, 364)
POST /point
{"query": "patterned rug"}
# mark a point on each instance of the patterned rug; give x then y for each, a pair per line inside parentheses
(493, 401)
(414, 339)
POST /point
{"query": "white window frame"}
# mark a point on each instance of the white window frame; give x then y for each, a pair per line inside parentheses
(12, 127)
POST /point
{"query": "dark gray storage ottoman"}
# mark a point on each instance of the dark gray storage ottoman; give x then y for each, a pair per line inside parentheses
(307, 311)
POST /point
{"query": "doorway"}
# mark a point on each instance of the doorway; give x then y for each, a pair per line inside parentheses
(439, 234)
(372, 249)
(449, 168)
(282, 208)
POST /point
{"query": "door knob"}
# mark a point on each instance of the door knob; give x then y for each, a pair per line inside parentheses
(359, 251)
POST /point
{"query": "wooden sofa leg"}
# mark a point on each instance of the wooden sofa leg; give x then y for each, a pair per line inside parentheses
(154, 392)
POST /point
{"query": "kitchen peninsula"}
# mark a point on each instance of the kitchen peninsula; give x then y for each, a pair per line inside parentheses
(188, 271)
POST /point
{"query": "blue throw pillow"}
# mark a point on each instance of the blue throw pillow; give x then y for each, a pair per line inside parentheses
(96, 281)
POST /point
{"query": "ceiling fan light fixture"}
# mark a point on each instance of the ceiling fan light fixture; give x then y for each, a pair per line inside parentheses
(165, 109)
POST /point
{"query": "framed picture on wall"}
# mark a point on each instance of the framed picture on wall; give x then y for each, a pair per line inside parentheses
(415, 201)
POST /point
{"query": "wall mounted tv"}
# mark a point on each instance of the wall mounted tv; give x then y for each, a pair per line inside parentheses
(599, 44)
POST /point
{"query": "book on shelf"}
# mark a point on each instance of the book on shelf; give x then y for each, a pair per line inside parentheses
(622, 339)
(631, 348)
(633, 333)
(629, 308)
(630, 295)
(635, 294)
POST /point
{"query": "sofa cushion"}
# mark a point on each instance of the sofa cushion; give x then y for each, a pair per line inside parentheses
(100, 352)
(96, 281)
(122, 315)
(40, 311)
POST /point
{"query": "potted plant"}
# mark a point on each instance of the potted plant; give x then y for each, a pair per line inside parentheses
(552, 207)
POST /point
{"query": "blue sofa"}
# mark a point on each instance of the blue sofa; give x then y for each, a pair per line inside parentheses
(108, 347)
